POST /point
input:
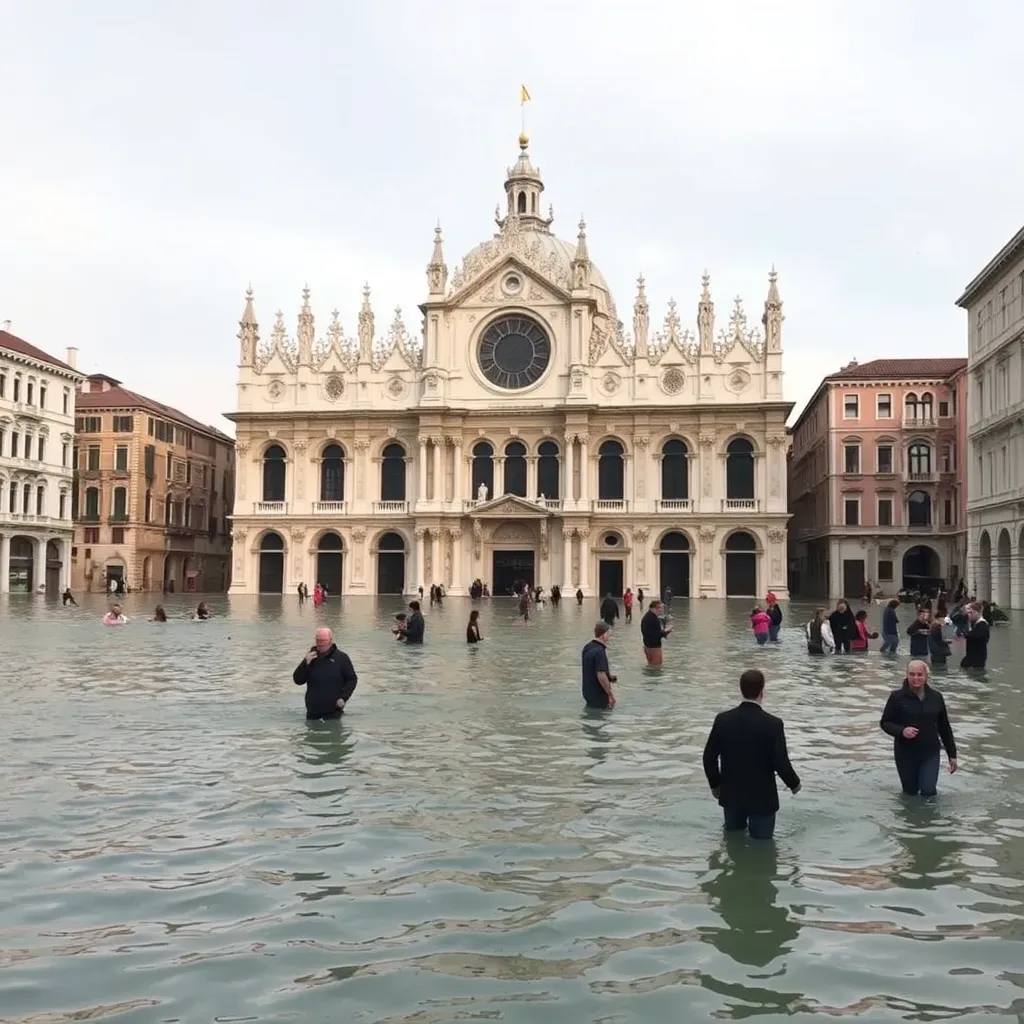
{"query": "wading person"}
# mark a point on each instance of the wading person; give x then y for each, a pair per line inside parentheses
(473, 627)
(843, 628)
(819, 634)
(746, 749)
(915, 716)
(653, 630)
(977, 638)
(411, 631)
(609, 609)
(890, 627)
(328, 676)
(597, 676)
(775, 614)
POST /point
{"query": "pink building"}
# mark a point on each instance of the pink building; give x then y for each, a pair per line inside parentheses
(876, 479)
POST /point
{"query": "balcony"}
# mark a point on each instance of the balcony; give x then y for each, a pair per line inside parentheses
(919, 421)
(673, 505)
(921, 478)
(390, 508)
(329, 508)
(609, 505)
(25, 410)
(119, 518)
(741, 505)
(270, 508)
(89, 517)
(551, 504)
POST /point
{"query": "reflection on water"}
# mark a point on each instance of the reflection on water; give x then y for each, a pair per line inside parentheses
(469, 843)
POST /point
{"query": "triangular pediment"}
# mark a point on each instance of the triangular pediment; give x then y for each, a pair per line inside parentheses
(509, 506)
(486, 289)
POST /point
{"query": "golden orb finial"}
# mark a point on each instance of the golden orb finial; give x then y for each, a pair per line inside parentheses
(524, 140)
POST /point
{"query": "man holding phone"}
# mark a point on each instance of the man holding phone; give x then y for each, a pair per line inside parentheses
(328, 676)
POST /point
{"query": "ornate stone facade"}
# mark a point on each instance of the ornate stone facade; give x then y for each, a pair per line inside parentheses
(523, 432)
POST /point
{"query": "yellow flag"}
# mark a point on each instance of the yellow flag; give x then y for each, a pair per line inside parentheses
(524, 96)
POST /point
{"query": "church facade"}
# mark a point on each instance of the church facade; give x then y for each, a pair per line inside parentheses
(523, 434)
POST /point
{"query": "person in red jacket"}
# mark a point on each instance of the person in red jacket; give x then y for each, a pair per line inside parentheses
(861, 636)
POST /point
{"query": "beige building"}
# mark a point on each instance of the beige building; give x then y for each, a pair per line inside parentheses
(876, 479)
(523, 433)
(153, 494)
(994, 302)
(37, 417)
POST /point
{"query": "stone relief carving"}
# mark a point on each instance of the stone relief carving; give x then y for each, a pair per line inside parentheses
(358, 535)
(777, 535)
(536, 293)
(737, 381)
(395, 387)
(275, 390)
(640, 534)
(738, 334)
(543, 540)
(478, 537)
(707, 534)
(577, 380)
(611, 382)
(776, 568)
(576, 563)
(707, 568)
(447, 543)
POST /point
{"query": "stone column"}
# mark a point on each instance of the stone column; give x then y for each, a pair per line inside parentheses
(436, 558)
(531, 477)
(627, 479)
(466, 490)
(568, 495)
(5, 563)
(457, 559)
(65, 563)
(421, 491)
(639, 473)
(420, 556)
(39, 564)
(499, 476)
(705, 494)
(437, 494)
(356, 554)
(458, 472)
(584, 470)
(358, 492)
(566, 581)
(584, 533)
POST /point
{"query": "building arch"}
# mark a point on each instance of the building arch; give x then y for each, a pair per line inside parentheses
(331, 442)
(611, 469)
(274, 442)
(983, 570)
(546, 440)
(919, 565)
(328, 531)
(272, 551)
(482, 467)
(329, 551)
(275, 472)
(380, 447)
(658, 440)
(742, 435)
(597, 444)
(549, 468)
(919, 508)
(514, 476)
(674, 457)
(740, 470)
(391, 553)
(394, 462)
(332, 472)
(1001, 592)
(742, 551)
(674, 550)
(674, 532)
(611, 539)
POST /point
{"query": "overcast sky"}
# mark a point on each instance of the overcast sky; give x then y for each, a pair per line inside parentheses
(156, 158)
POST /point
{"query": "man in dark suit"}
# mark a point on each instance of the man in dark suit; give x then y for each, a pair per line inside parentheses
(743, 754)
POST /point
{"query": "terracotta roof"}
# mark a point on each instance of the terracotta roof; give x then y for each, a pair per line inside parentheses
(122, 398)
(900, 368)
(15, 344)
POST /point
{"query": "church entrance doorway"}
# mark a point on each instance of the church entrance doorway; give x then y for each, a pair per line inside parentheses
(329, 562)
(511, 569)
(674, 564)
(610, 577)
(391, 564)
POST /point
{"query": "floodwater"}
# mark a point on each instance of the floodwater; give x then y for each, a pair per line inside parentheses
(468, 844)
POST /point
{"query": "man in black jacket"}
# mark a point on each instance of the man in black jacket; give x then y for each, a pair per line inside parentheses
(328, 676)
(743, 754)
(413, 628)
(609, 609)
(977, 638)
(653, 630)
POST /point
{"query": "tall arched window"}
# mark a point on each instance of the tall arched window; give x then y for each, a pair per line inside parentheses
(274, 468)
(910, 405)
(332, 473)
(549, 477)
(120, 510)
(92, 502)
(168, 510)
(392, 473)
(611, 475)
(919, 509)
(925, 408)
(739, 470)
(919, 458)
(149, 507)
(515, 468)
(675, 471)
(483, 469)
(522, 202)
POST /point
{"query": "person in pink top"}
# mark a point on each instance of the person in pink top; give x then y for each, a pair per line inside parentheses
(114, 617)
(760, 623)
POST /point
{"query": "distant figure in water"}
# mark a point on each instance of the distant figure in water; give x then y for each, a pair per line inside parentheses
(653, 630)
(302, 592)
(597, 676)
(328, 676)
(413, 629)
(861, 636)
(67, 598)
(977, 638)
(473, 628)
(579, 596)
(627, 603)
(556, 595)
(524, 603)
(609, 609)
(114, 617)
(760, 623)
(159, 615)
(318, 596)
(774, 612)
(202, 612)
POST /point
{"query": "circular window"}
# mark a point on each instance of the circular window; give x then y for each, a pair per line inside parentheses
(610, 540)
(512, 285)
(275, 389)
(673, 381)
(514, 352)
(334, 388)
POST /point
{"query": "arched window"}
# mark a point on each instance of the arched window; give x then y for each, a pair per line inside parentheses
(675, 471)
(40, 500)
(925, 408)
(515, 468)
(739, 470)
(168, 510)
(392, 473)
(120, 503)
(611, 476)
(549, 477)
(186, 519)
(910, 405)
(522, 202)
(92, 502)
(919, 509)
(919, 458)
(149, 507)
(483, 469)
(273, 473)
(332, 473)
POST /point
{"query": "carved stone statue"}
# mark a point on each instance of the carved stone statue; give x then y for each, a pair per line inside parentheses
(481, 492)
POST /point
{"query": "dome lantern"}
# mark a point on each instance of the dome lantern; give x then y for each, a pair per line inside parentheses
(523, 188)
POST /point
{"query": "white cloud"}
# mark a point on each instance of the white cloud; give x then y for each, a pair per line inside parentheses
(157, 160)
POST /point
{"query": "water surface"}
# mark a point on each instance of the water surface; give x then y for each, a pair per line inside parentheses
(468, 844)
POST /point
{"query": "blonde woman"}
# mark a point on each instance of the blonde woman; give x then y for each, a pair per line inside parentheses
(916, 718)
(819, 634)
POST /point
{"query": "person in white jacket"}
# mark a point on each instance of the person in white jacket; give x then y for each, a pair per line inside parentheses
(819, 634)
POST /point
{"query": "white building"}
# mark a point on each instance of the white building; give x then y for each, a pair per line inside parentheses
(37, 422)
(994, 301)
(523, 433)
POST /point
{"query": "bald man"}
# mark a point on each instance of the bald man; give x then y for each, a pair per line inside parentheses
(328, 676)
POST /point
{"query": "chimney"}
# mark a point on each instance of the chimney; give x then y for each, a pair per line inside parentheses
(72, 357)
(7, 326)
